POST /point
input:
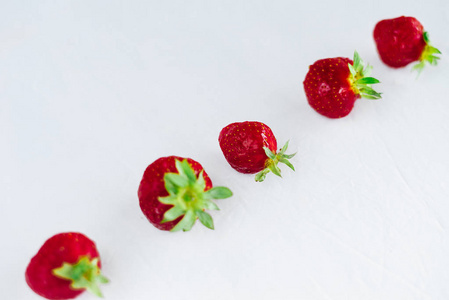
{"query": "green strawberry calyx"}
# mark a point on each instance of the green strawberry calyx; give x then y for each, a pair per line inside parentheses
(84, 274)
(360, 82)
(272, 162)
(189, 199)
(429, 55)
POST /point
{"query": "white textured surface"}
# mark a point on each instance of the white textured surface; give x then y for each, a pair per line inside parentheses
(91, 92)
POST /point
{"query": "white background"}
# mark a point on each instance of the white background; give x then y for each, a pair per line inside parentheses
(91, 92)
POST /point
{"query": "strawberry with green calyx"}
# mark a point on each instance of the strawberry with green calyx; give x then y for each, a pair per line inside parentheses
(175, 192)
(250, 147)
(332, 85)
(401, 41)
(65, 266)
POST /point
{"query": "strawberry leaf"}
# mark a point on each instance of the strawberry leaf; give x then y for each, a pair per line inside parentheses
(201, 183)
(176, 180)
(427, 56)
(360, 83)
(275, 169)
(284, 148)
(426, 37)
(419, 67)
(169, 200)
(272, 162)
(261, 175)
(289, 164)
(433, 50)
(367, 71)
(269, 153)
(218, 192)
(288, 156)
(171, 187)
(367, 91)
(358, 64)
(352, 70)
(211, 205)
(205, 219)
(173, 213)
(185, 171)
(370, 97)
(367, 80)
(187, 222)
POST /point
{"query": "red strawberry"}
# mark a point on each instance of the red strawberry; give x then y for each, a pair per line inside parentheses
(401, 41)
(65, 266)
(250, 147)
(175, 191)
(333, 84)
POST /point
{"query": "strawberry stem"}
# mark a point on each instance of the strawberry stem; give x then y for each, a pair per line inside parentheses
(360, 82)
(273, 160)
(188, 197)
(429, 55)
(85, 274)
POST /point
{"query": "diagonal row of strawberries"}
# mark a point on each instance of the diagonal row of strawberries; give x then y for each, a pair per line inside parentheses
(175, 191)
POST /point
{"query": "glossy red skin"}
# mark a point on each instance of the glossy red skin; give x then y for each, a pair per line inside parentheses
(152, 187)
(66, 247)
(399, 41)
(242, 145)
(328, 89)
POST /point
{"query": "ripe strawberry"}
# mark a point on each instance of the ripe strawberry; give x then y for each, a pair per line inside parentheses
(175, 191)
(250, 147)
(333, 84)
(65, 266)
(401, 41)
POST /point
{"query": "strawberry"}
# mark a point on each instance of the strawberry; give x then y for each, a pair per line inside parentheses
(65, 266)
(333, 84)
(250, 147)
(175, 191)
(401, 41)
